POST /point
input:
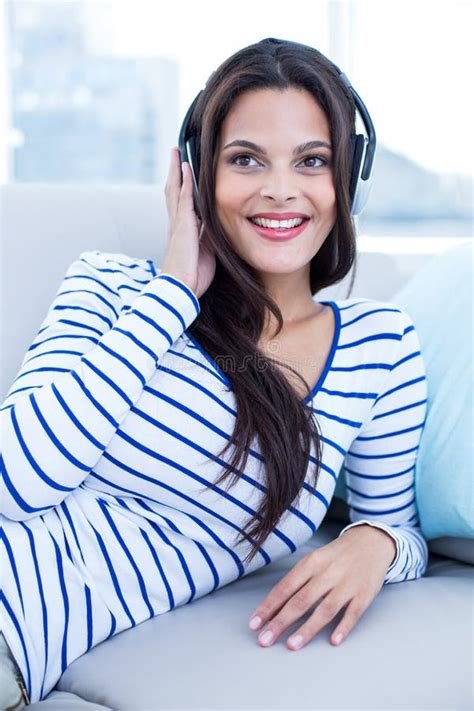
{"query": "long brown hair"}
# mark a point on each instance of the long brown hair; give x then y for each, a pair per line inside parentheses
(233, 310)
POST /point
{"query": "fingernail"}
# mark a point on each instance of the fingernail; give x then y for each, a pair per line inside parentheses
(255, 622)
(296, 641)
(338, 638)
(266, 637)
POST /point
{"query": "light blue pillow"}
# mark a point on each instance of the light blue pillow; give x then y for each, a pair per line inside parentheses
(439, 299)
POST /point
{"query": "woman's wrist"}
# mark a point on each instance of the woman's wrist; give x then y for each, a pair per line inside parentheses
(381, 537)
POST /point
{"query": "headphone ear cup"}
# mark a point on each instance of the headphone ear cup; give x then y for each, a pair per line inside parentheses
(357, 150)
(189, 153)
(193, 157)
(358, 189)
(188, 147)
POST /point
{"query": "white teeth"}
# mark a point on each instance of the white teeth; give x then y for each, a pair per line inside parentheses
(277, 224)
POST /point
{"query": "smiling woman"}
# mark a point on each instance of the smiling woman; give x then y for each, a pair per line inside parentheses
(141, 378)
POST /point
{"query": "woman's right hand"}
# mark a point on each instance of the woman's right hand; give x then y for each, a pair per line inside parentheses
(189, 256)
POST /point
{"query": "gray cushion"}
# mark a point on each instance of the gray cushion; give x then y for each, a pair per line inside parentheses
(64, 701)
(412, 649)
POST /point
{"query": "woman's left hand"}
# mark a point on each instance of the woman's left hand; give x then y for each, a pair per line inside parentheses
(348, 571)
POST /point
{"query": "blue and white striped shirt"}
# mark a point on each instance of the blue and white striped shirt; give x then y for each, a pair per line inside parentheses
(109, 439)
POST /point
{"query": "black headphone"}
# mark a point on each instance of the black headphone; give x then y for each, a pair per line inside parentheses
(363, 147)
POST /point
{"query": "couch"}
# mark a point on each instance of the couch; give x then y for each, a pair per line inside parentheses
(413, 647)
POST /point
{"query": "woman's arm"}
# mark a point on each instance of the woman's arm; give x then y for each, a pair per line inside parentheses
(380, 464)
(350, 571)
(81, 375)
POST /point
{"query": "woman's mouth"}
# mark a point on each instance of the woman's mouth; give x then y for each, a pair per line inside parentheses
(279, 233)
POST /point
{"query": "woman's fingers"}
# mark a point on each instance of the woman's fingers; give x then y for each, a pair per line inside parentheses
(187, 200)
(185, 217)
(182, 258)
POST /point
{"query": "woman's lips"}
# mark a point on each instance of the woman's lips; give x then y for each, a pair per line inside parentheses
(278, 235)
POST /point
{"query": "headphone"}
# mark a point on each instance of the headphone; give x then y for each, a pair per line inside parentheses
(363, 147)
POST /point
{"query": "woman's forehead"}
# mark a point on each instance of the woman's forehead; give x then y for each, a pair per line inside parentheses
(267, 116)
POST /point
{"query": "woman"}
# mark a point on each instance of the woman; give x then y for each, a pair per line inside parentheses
(140, 380)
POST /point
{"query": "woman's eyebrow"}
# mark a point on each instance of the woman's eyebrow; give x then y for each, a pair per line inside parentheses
(299, 149)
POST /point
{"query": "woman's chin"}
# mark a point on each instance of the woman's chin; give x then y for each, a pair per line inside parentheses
(273, 268)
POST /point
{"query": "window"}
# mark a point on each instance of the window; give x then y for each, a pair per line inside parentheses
(96, 92)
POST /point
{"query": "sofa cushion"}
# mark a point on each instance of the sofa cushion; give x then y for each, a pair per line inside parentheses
(64, 701)
(439, 299)
(203, 656)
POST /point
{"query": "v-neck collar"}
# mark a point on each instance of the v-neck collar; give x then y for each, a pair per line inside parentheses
(318, 385)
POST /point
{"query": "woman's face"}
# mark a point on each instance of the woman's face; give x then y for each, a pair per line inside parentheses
(250, 182)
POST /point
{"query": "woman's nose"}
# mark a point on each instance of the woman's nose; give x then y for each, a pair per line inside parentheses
(279, 187)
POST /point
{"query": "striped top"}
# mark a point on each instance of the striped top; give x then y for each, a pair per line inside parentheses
(110, 434)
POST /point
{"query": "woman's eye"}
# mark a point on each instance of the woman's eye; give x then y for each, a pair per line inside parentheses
(323, 161)
(320, 158)
(236, 158)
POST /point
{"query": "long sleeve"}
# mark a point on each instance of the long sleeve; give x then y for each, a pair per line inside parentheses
(380, 464)
(85, 369)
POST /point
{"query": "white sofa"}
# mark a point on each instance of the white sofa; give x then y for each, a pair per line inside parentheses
(412, 649)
